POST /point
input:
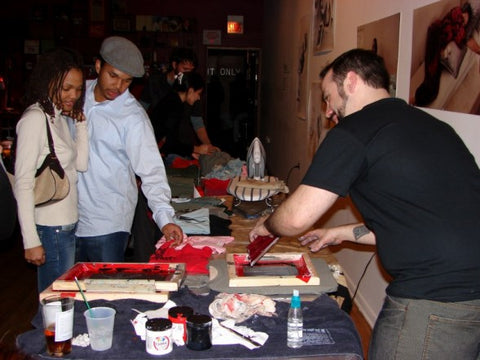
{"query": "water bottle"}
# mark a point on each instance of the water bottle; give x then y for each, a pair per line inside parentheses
(295, 322)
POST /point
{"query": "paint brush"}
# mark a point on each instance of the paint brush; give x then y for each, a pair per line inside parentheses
(84, 298)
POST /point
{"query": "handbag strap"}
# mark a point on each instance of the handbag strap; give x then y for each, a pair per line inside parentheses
(49, 137)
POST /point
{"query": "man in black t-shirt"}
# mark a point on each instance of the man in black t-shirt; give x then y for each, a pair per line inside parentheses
(418, 189)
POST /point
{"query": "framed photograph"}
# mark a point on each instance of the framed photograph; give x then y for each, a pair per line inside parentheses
(323, 26)
(318, 125)
(302, 67)
(382, 37)
(445, 73)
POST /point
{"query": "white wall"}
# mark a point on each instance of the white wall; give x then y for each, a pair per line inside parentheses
(284, 134)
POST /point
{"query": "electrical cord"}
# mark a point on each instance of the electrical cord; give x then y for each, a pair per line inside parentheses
(361, 277)
(290, 171)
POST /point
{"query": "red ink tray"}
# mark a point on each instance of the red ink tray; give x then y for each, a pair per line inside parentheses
(268, 270)
(122, 277)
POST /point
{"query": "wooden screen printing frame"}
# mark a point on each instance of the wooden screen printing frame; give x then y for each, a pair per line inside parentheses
(306, 273)
(122, 277)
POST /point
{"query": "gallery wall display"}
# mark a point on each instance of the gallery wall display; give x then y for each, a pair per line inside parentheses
(323, 26)
(382, 37)
(318, 124)
(302, 67)
(445, 57)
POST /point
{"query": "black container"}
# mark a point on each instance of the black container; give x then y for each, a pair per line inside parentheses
(199, 332)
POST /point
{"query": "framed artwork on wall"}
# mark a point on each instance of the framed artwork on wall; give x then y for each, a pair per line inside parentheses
(318, 125)
(302, 67)
(323, 26)
(382, 37)
(452, 79)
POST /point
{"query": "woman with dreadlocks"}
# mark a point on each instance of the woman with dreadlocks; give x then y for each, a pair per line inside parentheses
(55, 94)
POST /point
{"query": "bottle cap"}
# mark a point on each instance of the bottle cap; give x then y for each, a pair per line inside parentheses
(295, 302)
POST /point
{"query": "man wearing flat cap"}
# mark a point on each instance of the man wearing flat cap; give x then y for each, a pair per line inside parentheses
(122, 145)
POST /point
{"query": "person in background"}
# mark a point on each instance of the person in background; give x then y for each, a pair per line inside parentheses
(56, 91)
(122, 145)
(418, 189)
(159, 85)
(174, 133)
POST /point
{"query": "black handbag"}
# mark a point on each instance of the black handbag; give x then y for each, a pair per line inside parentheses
(51, 182)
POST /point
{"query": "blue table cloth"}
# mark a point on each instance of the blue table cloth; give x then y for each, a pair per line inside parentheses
(329, 332)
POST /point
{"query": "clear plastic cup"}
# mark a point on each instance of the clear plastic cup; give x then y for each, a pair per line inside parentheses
(100, 322)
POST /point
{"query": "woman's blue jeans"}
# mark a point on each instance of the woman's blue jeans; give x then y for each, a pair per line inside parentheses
(103, 248)
(411, 329)
(59, 245)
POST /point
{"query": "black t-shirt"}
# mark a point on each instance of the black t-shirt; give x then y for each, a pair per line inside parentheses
(418, 189)
(169, 121)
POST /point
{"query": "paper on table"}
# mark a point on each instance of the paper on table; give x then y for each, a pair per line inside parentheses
(221, 336)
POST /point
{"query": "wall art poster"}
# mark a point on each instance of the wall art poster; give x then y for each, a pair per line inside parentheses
(318, 125)
(323, 26)
(382, 37)
(302, 68)
(445, 65)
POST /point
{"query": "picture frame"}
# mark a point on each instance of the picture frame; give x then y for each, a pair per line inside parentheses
(302, 62)
(323, 26)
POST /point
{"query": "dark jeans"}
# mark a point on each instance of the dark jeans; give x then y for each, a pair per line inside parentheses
(103, 248)
(410, 329)
(59, 245)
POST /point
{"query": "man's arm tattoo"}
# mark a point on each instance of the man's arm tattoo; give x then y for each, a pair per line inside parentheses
(360, 231)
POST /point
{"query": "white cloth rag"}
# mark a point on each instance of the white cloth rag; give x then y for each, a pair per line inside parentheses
(222, 336)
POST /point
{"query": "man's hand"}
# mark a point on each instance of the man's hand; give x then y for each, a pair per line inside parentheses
(320, 238)
(173, 232)
(259, 229)
(205, 149)
(35, 255)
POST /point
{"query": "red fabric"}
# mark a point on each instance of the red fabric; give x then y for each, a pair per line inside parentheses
(196, 260)
(215, 187)
(180, 163)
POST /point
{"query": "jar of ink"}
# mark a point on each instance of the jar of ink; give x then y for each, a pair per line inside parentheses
(158, 339)
(199, 332)
(178, 316)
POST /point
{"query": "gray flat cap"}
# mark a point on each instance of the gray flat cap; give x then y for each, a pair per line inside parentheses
(123, 54)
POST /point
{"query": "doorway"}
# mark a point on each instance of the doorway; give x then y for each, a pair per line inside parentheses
(232, 96)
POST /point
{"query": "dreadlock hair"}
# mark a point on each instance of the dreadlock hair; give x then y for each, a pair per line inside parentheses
(47, 79)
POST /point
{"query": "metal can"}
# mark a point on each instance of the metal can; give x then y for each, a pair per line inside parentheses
(178, 316)
(158, 340)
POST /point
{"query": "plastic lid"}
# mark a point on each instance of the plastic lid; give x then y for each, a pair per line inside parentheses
(158, 324)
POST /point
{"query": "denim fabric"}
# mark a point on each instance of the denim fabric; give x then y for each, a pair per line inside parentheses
(410, 329)
(103, 248)
(59, 245)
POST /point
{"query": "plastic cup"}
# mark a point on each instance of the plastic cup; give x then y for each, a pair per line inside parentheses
(57, 313)
(100, 322)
